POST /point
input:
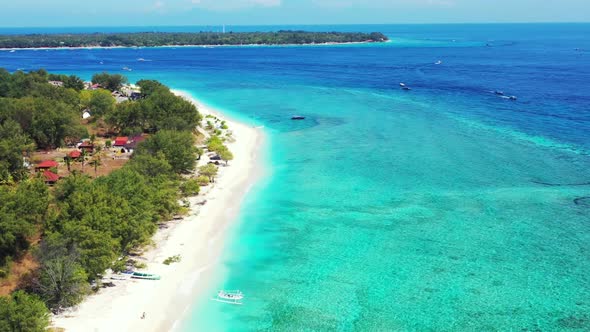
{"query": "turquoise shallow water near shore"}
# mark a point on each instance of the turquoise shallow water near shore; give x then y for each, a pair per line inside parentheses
(445, 208)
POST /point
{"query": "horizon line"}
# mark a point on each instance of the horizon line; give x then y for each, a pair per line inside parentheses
(290, 24)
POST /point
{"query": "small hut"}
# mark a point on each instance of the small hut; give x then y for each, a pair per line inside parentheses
(87, 147)
(46, 165)
(75, 155)
(50, 177)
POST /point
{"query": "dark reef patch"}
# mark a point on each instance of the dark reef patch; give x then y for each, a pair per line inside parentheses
(585, 200)
(561, 184)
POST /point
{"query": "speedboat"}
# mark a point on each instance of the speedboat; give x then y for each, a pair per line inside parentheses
(231, 297)
(499, 93)
(438, 62)
(512, 98)
(402, 84)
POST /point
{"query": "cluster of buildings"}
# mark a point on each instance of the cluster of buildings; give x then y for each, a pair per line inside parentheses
(121, 148)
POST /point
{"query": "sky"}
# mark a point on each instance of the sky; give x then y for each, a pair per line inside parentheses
(61, 13)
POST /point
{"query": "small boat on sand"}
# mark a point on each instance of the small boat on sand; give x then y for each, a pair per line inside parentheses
(231, 297)
(297, 117)
(145, 276)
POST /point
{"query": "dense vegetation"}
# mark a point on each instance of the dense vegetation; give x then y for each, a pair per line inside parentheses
(157, 109)
(200, 38)
(86, 225)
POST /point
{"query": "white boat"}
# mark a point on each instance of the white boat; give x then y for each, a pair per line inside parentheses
(12, 51)
(127, 69)
(438, 62)
(231, 297)
(402, 84)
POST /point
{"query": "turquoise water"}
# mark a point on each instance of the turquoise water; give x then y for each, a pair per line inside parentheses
(446, 208)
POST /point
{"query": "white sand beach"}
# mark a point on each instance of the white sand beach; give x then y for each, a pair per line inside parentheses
(198, 238)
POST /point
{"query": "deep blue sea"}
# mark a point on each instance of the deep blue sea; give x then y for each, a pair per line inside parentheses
(443, 208)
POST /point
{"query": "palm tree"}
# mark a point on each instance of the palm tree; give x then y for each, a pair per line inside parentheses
(83, 157)
(68, 160)
(95, 162)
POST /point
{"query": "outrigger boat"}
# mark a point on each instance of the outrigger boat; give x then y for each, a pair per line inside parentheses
(145, 276)
(231, 297)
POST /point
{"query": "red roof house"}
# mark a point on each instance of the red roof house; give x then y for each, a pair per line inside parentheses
(46, 164)
(75, 154)
(121, 141)
(87, 146)
(50, 177)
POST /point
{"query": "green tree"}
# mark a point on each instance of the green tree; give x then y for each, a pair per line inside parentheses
(190, 187)
(110, 82)
(13, 143)
(95, 163)
(151, 165)
(68, 161)
(22, 208)
(100, 103)
(74, 82)
(215, 143)
(22, 312)
(209, 171)
(149, 86)
(127, 118)
(62, 280)
(177, 148)
(225, 155)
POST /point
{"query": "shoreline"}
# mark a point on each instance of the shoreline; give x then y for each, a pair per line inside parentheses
(199, 238)
(183, 46)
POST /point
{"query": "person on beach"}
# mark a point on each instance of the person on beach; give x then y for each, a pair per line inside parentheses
(143, 315)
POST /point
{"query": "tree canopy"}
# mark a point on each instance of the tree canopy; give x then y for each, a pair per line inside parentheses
(22, 312)
(108, 81)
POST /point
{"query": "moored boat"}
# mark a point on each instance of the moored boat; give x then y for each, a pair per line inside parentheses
(145, 276)
(231, 297)
(297, 117)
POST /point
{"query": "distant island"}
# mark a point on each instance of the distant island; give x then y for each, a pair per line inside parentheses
(150, 39)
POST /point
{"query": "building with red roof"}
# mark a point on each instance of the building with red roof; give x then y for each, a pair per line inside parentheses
(87, 146)
(46, 165)
(50, 177)
(121, 141)
(75, 154)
